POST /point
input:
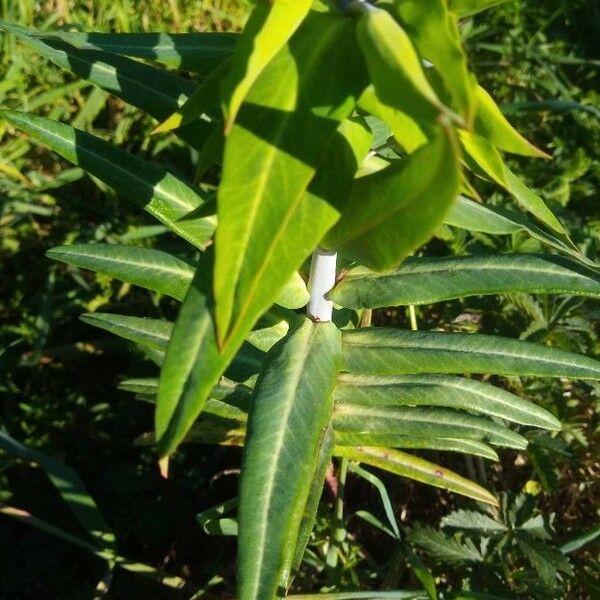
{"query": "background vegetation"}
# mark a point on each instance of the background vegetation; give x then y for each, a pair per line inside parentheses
(58, 376)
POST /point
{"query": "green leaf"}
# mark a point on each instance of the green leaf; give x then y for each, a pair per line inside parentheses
(488, 159)
(427, 422)
(435, 34)
(197, 52)
(472, 216)
(405, 130)
(279, 139)
(211, 522)
(205, 100)
(397, 209)
(71, 488)
(472, 520)
(267, 31)
(395, 68)
(467, 8)
(438, 390)
(154, 90)
(545, 559)
(233, 433)
(393, 440)
(428, 280)
(416, 468)
(291, 410)
(580, 541)
(155, 270)
(148, 268)
(364, 595)
(164, 196)
(492, 125)
(193, 363)
(145, 332)
(442, 548)
(383, 494)
(309, 517)
(386, 351)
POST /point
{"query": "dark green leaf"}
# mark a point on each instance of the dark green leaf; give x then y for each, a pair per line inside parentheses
(428, 280)
(383, 351)
(439, 390)
(290, 413)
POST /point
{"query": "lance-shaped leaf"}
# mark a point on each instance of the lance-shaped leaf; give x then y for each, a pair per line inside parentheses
(488, 159)
(268, 29)
(145, 332)
(418, 469)
(197, 52)
(290, 413)
(154, 90)
(148, 268)
(466, 8)
(309, 516)
(427, 280)
(163, 195)
(155, 270)
(438, 390)
(267, 223)
(193, 363)
(492, 125)
(394, 440)
(429, 422)
(435, 34)
(395, 68)
(205, 100)
(387, 351)
(397, 209)
(473, 216)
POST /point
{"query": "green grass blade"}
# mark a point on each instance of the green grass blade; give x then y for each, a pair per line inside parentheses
(71, 489)
(428, 280)
(429, 422)
(164, 196)
(438, 390)
(291, 410)
(418, 469)
(387, 351)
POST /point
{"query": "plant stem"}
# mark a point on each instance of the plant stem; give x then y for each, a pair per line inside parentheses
(322, 279)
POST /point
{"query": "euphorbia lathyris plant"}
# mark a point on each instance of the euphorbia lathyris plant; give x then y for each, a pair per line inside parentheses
(340, 128)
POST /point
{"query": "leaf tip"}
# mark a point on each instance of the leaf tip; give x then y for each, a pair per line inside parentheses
(163, 467)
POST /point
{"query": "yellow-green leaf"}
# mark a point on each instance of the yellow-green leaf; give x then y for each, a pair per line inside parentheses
(268, 29)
